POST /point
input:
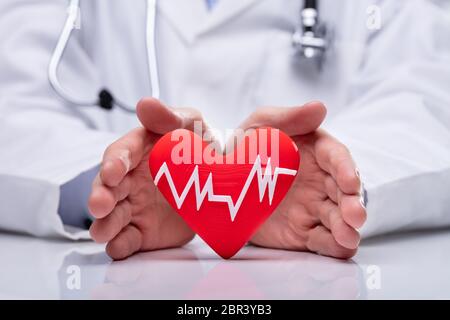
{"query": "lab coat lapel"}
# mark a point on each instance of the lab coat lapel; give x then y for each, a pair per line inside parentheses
(191, 17)
(225, 10)
(186, 16)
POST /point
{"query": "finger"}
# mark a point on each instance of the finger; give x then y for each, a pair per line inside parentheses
(323, 242)
(127, 242)
(353, 213)
(158, 118)
(331, 217)
(333, 157)
(103, 199)
(103, 230)
(124, 155)
(331, 189)
(292, 120)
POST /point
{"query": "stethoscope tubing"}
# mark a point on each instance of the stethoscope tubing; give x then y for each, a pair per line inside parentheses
(58, 52)
(105, 98)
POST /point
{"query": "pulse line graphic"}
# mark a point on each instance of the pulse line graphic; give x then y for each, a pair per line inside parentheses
(265, 180)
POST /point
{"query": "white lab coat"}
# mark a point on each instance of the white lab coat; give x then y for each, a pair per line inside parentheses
(387, 93)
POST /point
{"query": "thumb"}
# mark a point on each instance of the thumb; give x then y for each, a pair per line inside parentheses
(291, 120)
(160, 119)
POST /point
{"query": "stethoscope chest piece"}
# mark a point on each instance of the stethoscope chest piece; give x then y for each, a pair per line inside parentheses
(312, 38)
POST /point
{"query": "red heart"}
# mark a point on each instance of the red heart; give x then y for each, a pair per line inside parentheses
(208, 193)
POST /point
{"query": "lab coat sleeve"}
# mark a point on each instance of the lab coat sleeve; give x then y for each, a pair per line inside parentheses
(44, 142)
(74, 196)
(397, 124)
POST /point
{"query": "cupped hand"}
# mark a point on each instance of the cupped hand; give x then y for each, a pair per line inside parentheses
(130, 214)
(322, 211)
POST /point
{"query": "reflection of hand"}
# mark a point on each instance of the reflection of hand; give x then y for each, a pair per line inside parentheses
(255, 274)
(130, 214)
(322, 210)
(280, 274)
(151, 275)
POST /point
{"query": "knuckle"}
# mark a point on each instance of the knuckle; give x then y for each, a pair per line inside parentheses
(109, 149)
(124, 213)
(131, 145)
(95, 233)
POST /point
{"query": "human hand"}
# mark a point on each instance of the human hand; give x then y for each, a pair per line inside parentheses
(322, 210)
(131, 215)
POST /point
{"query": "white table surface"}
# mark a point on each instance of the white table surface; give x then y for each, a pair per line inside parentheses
(414, 265)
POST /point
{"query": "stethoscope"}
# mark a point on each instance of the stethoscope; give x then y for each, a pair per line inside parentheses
(311, 41)
(312, 38)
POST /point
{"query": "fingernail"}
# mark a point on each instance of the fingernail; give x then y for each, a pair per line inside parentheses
(362, 196)
(125, 158)
(181, 116)
(361, 201)
(178, 113)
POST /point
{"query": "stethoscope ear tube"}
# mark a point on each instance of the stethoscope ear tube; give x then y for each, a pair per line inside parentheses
(73, 11)
(105, 99)
(151, 48)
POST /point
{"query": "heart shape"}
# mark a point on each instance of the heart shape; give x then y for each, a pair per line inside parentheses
(224, 198)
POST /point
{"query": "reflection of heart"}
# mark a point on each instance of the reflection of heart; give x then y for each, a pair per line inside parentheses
(213, 197)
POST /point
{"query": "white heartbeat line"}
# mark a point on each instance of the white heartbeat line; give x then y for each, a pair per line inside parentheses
(264, 180)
